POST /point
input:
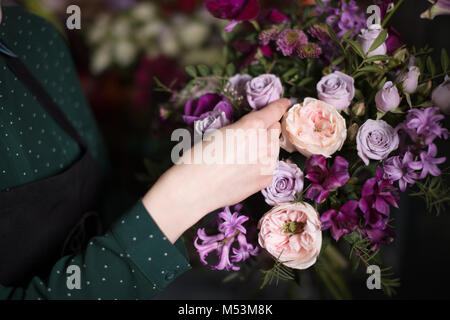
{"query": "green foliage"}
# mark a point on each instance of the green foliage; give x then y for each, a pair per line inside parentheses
(278, 272)
(435, 192)
(361, 254)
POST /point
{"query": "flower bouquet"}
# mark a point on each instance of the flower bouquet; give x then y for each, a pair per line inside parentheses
(363, 127)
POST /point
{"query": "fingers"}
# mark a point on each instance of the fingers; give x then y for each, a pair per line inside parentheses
(273, 112)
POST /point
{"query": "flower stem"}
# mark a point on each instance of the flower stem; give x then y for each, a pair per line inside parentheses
(388, 17)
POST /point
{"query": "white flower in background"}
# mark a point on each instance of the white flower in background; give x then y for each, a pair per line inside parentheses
(193, 34)
(101, 59)
(124, 52)
(121, 28)
(168, 42)
(99, 30)
(144, 11)
(148, 31)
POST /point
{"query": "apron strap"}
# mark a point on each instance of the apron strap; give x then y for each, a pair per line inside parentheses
(24, 74)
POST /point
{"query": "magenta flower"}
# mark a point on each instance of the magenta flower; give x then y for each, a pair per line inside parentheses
(324, 180)
(272, 16)
(428, 162)
(234, 10)
(289, 41)
(378, 236)
(402, 170)
(198, 109)
(342, 221)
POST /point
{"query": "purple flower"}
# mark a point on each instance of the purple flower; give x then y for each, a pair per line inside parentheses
(309, 50)
(289, 41)
(216, 119)
(423, 125)
(428, 162)
(342, 221)
(200, 108)
(234, 10)
(268, 35)
(345, 18)
(378, 236)
(263, 90)
(337, 89)
(402, 170)
(376, 140)
(232, 222)
(244, 251)
(324, 180)
(287, 182)
(237, 85)
(320, 32)
(230, 229)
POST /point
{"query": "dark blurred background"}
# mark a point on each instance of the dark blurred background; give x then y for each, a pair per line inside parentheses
(124, 44)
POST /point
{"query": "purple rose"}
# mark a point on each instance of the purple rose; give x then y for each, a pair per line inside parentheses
(368, 36)
(200, 108)
(234, 10)
(287, 182)
(237, 85)
(441, 96)
(376, 140)
(263, 90)
(336, 89)
(219, 117)
(387, 98)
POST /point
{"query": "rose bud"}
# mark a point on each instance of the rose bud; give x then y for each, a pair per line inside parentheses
(359, 109)
(410, 80)
(352, 131)
(441, 96)
(387, 99)
(367, 38)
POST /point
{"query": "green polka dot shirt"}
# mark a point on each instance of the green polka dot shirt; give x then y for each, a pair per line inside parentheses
(133, 260)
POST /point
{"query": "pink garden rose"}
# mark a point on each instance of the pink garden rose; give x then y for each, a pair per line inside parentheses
(291, 233)
(313, 127)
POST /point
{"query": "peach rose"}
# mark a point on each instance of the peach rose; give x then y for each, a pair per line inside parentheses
(291, 233)
(313, 127)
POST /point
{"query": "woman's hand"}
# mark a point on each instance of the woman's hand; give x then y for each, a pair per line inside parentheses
(187, 192)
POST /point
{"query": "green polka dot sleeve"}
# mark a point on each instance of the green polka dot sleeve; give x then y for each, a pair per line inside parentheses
(132, 261)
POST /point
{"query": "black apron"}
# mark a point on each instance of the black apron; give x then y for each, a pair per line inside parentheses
(44, 220)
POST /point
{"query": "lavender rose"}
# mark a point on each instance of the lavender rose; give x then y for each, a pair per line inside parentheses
(367, 38)
(387, 99)
(287, 181)
(376, 140)
(336, 89)
(237, 85)
(219, 117)
(410, 79)
(441, 96)
(263, 90)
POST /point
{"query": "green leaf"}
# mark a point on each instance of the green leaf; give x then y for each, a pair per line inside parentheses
(231, 70)
(204, 70)
(190, 70)
(444, 60)
(371, 69)
(337, 61)
(217, 70)
(377, 58)
(356, 47)
(332, 34)
(430, 66)
(305, 81)
(378, 41)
